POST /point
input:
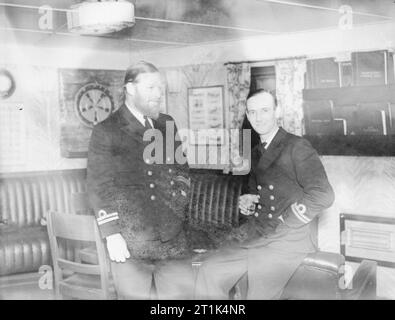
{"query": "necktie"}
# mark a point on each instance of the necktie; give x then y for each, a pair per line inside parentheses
(147, 124)
(262, 149)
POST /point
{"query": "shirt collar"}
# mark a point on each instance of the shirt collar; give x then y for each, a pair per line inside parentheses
(270, 138)
(138, 115)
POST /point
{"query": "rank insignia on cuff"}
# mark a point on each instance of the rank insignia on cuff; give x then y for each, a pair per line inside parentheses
(299, 211)
(104, 217)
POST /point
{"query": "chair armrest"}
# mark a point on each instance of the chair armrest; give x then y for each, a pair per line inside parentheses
(324, 260)
(363, 283)
(316, 278)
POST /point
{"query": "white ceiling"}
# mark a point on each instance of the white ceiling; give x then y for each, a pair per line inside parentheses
(168, 23)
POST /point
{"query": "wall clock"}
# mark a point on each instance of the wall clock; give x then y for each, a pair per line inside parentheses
(7, 84)
(93, 104)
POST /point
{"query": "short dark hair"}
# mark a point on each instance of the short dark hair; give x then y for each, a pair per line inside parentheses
(253, 93)
(140, 67)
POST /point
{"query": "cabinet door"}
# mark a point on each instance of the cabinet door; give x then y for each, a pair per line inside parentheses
(364, 118)
(373, 68)
(322, 73)
(318, 117)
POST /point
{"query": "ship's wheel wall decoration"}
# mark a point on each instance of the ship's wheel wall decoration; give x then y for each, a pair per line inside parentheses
(93, 104)
(7, 84)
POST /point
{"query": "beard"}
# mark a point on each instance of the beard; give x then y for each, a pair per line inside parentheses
(150, 109)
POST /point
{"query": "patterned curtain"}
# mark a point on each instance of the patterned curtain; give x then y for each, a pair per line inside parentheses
(289, 86)
(238, 79)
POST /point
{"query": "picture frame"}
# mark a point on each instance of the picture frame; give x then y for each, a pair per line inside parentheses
(206, 115)
(364, 237)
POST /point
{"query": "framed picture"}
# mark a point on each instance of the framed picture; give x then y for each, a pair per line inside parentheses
(206, 115)
(367, 237)
(86, 97)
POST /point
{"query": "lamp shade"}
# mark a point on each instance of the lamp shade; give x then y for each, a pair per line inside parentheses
(94, 17)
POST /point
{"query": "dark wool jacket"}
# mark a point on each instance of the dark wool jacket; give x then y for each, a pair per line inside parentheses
(291, 183)
(130, 194)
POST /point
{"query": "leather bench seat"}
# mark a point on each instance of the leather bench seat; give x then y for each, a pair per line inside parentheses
(24, 200)
(26, 197)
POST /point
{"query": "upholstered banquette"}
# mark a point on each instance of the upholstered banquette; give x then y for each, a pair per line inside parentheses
(25, 199)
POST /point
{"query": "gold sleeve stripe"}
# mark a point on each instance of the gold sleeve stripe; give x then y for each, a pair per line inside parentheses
(104, 217)
(107, 220)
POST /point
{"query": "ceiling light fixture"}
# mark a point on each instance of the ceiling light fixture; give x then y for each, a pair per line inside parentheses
(94, 17)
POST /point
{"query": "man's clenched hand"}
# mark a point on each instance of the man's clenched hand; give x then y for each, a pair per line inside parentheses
(117, 249)
(246, 202)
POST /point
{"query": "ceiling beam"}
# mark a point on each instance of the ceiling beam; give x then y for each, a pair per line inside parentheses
(309, 6)
(235, 28)
(77, 35)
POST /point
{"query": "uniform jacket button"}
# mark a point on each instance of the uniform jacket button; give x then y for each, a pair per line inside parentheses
(270, 216)
(151, 185)
(149, 173)
(153, 197)
(173, 194)
(168, 159)
(259, 206)
(272, 208)
(271, 187)
(259, 187)
(172, 182)
(256, 214)
(271, 197)
(170, 171)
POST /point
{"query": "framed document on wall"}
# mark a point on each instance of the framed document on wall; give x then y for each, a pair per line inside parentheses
(206, 115)
(367, 237)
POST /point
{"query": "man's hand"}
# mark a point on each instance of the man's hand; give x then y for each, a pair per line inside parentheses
(117, 249)
(247, 202)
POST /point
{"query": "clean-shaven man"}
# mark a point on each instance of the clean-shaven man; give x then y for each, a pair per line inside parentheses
(287, 189)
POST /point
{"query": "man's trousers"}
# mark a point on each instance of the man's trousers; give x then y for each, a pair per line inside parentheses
(167, 279)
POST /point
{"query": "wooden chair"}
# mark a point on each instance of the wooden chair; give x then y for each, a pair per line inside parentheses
(88, 254)
(77, 279)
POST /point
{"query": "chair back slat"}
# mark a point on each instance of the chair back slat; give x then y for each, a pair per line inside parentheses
(78, 228)
(81, 292)
(79, 267)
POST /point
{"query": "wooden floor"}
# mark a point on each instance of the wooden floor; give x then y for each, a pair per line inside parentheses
(27, 288)
(24, 287)
(33, 292)
(25, 292)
